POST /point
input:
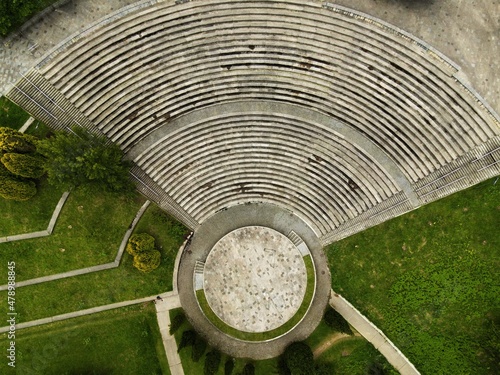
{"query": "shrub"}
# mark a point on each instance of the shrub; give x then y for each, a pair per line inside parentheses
(337, 322)
(16, 189)
(23, 165)
(249, 369)
(140, 243)
(147, 261)
(187, 339)
(229, 367)
(199, 348)
(299, 358)
(176, 323)
(12, 140)
(212, 362)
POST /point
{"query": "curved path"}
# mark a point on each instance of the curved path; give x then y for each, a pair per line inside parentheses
(207, 236)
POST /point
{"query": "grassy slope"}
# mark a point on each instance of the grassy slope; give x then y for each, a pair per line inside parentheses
(429, 279)
(125, 341)
(88, 232)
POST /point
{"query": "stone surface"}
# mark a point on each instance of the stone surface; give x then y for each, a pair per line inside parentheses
(255, 279)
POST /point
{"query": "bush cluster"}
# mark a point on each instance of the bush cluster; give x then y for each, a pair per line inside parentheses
(337, 322)
(20, 165)
(142, 247)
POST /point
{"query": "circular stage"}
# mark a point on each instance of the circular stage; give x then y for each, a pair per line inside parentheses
(255, 279)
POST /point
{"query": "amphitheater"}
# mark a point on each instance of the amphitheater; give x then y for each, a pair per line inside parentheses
(282, 114)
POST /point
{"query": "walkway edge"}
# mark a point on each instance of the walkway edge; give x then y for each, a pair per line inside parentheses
(42, 233)
(92, 310)
(81, 271)
(373, 334)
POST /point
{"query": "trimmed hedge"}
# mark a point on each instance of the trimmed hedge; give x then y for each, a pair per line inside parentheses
(140, 243)
(12, 140)
(23, 165)
(299, 358)
(147, 261)
(212, 362)
(16, 189)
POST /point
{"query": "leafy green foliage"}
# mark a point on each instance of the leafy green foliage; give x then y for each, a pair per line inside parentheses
(13, 13)
(12, 140)
(147, 261)
(336, 321)
(16, 189)
(140, 243)
(212, 362)
(82, 158)
(249, 369)
(23, 165)
(299, 359)
(176, 323)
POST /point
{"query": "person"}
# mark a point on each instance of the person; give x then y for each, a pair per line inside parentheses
(158, 298)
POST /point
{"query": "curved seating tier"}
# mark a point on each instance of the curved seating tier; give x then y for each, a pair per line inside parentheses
(158, 61)
(234, 158)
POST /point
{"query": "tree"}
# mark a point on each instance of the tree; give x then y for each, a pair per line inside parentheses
(82, 158)
(140, 243)
(212, 362)
(299, 359)
(16, 189)
(14, 12)
(12, 140)
(147, 261)
(23, 165)
(337, 322)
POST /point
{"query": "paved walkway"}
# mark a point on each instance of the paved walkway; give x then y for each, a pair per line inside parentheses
(374, 335)
(162, 311)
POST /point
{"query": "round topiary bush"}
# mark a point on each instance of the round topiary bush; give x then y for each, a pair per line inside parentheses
(15, 189)
(12, 140)
(299, 358)
(147, 261)
(23, 165)
(140, 243)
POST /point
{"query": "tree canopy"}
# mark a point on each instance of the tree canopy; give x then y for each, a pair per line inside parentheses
(82, 158)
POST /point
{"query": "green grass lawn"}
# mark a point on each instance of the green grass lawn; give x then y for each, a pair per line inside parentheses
(88, 232)
(124, 341)
(28, 216)
(11, 116)
(430, 281)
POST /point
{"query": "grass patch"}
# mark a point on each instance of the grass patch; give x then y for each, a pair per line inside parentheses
(122, 341)
(28, 216)
(88, 232)
(261, 336)
(429, 279)
(11, 115)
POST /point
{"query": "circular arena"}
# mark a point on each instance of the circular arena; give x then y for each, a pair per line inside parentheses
(301, 116)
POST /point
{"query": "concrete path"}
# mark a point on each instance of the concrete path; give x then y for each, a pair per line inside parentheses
(168, 296)
(42, 233)
(374, 335)
(81, 271)
(162, 311)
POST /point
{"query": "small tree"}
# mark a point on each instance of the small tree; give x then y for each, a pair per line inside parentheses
(23, 165)
(12, 140)
(82, 158)
(147, 261)
(337, 322)
(212, 362)
(299, 359)
(140, 243)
